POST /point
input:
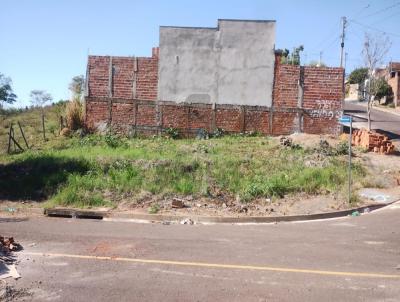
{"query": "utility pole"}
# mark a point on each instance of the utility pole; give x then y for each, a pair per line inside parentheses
(344, 22)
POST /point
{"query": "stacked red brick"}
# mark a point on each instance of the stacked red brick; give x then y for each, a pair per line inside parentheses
(372, 141)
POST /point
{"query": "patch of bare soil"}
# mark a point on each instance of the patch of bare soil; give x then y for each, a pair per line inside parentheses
(312, 140)
(299, 204)
(19, 209)
(10, 293)
(383, 170)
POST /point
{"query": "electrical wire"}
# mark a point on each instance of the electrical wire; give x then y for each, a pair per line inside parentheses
(357, 13)
(324, 40)
(373, 28)
(386, 18)
(382, 10)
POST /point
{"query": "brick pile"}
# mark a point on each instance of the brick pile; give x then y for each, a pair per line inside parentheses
(372, 141)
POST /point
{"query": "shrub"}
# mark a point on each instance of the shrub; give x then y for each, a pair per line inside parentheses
(219, 132)
(202, 134)
(114, 141)
(342, 148)
(52, 129)
(172, 133)
(74, 115)
(154, 208)
(90, 140)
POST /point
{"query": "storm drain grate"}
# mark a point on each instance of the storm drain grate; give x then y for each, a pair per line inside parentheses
(70, 213)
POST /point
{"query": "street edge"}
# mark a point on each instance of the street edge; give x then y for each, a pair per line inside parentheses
(162, 218)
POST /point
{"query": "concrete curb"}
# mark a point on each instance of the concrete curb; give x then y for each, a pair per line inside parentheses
(123, 216)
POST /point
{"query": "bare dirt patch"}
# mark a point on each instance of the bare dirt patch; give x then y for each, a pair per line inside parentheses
(300, 204)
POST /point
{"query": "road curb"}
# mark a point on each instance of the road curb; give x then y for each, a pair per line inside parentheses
(162, 218)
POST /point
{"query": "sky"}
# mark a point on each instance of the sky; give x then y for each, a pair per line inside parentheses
(44, 43)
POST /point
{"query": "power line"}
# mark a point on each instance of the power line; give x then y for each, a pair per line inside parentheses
(382, 10)
(374, 28)
(330, 44)
(327, 38)
(357, 13)
(386, 18)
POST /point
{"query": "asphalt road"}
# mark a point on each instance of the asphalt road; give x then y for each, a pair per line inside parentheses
(347, 259)
(387, 122)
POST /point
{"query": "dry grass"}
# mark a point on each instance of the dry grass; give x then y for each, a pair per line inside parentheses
(74, 114)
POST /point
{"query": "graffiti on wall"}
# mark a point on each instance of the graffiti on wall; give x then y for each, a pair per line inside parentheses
(326, 109)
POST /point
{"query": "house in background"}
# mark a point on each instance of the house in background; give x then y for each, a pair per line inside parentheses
(391, 73)
(393, 78)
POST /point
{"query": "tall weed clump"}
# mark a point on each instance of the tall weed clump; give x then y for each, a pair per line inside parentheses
(74, 114)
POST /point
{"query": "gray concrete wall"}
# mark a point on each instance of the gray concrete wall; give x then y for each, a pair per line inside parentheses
(231, 64)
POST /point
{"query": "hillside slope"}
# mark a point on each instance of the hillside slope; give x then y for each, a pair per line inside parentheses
(31, 123)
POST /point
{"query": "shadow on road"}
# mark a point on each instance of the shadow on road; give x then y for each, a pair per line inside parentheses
(346, 111)
(389, 134)
(13, 219)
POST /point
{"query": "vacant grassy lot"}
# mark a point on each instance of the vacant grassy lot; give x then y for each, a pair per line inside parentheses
(97, 171)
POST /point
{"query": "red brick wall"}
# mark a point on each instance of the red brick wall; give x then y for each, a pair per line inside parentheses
(284, 123)
(175, 116)
(229, 119)
(257, 121)
(147, 81)
(96, 113)
(286, 86)
(315, 110)
(146, 115)
(200, 117)
(321, 101)
(123, 76)
(98, 76)
(122, 117)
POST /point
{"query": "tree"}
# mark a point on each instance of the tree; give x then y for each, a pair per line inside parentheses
(293, 58)
(375, 49)
(284, 55)
(7, 95)
(316, 64)
(77, 86)
(358, 76)
(380, 88)
(39, 98)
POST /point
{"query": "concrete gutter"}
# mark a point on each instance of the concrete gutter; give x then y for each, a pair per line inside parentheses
(162, 218)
